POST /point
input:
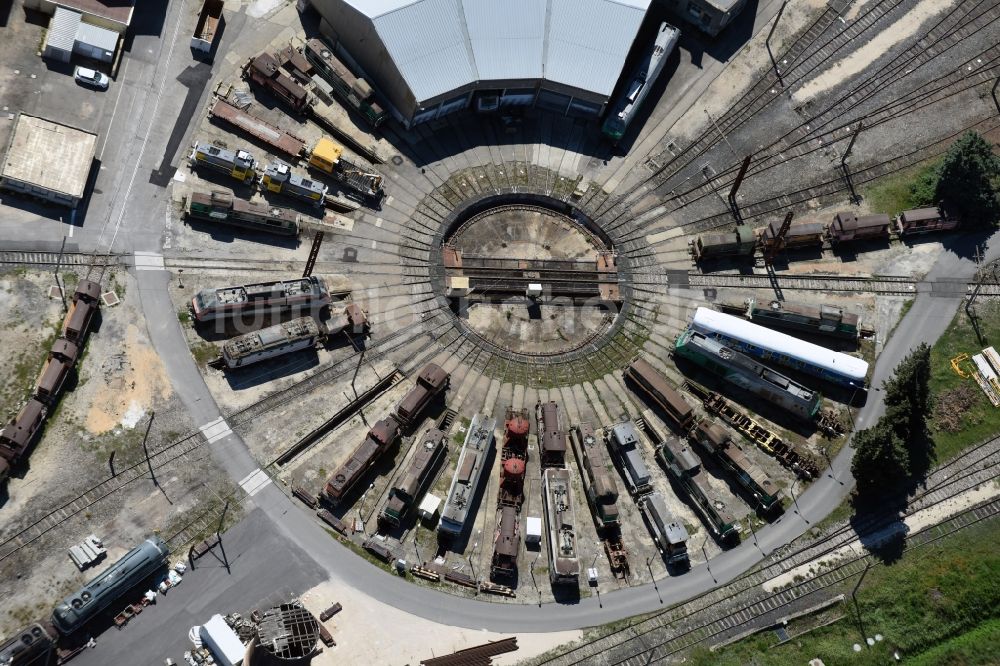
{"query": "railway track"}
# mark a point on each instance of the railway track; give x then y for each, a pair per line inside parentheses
(862, 284)
(708, 615)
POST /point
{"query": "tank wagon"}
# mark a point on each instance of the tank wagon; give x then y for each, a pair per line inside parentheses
(382, 435)
(551, 436)
(669, 535)
(799, 236)
(744, 372)
(277, 340)
(471, 462)
(309, 294)
(848, 227)
(764, 344)
(560, 523)
(506, 543)
(645, 74)
(431, 381)
(827, 320)
(278, 178)
(239, 164)
(741, 243)
(405, 494)
(386, 432)
(264, 70)
(925, 220)
(624, 444)
(133, 568)
(224, 208)
(356, 92)
(684, 468)
(513, 458)
(716, 442)
(34, 645)
(655, 386)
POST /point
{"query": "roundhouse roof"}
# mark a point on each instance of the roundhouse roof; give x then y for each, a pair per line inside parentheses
(442, 45)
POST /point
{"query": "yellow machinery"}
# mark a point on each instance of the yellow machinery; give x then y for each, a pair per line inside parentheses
(325, 155)
(956, 365)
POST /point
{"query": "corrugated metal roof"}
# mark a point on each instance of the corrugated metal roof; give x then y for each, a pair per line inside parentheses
(429, 44)
(508, 38)
(97, 36)
(441, 45)
(62, 29)
(589, 41)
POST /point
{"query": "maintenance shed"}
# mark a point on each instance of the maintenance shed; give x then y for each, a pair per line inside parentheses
(47, 160)
(429, 58)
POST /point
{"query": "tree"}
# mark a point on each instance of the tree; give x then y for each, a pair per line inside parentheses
(880, 460)
(966, 180)
(908, 405)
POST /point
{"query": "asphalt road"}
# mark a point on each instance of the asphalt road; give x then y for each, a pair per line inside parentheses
(132, 214)
(255, 568)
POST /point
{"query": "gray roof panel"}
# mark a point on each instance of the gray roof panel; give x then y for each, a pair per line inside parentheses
(589, 41)
(442, 45)
(428, 42)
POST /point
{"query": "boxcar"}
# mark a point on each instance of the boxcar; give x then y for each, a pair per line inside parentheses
(431, 381)
(740, 243)
(801, 235)
(656, 387)
(16, 439)
(924, 220)
(850, 227)
(381, 436)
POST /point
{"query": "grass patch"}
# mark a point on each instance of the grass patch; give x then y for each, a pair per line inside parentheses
(204, 352)
(21, 382)
(979, 646)
(928, 601)
(899, 192)
(184, 316)
(979, 419)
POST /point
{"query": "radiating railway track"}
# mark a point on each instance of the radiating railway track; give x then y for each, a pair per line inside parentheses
(730, 607)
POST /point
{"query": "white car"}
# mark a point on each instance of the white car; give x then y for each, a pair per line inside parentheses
(91, 77)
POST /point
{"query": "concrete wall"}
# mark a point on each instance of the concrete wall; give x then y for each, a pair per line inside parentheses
(35, 192)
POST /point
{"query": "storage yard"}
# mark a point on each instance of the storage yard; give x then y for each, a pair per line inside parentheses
(511, 343)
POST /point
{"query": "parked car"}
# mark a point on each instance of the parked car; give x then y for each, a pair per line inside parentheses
(91, 77)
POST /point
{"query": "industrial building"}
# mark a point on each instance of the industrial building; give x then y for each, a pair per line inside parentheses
(429, 58)
(113, 15)
(48, 161)
(69, 34)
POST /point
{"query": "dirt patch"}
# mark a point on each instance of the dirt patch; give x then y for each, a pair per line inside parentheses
(132, 380)
(412, 638)
(950, 407)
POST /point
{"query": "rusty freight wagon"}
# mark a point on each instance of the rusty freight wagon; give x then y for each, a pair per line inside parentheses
(850, 227)
(506, 543)
(81, 312)
(551, 437)
(925, 220)
(513, 458)
(655, 386)
(431, 381)
(62, 358)
(20, 434)
(383, 435)
(264, 70)
(799, 236)
(280, 140)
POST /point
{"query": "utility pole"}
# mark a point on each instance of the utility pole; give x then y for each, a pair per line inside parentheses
(767, 42)
(994, 93)
(843, 162)
(736, 188)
